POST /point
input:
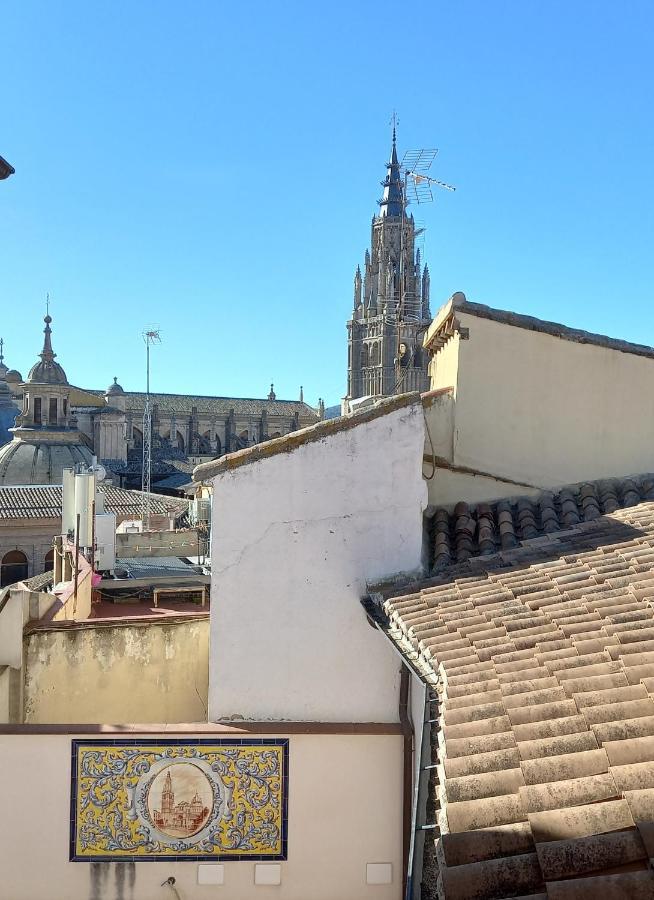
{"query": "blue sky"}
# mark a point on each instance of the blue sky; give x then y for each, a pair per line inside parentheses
(213, 167)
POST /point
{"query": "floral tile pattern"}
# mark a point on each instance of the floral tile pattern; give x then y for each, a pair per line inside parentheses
(171, 799)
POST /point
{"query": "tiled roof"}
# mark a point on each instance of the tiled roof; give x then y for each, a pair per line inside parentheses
(44, 502)
(541, 662)
(218, 406)
(484, 528)
(39, 582)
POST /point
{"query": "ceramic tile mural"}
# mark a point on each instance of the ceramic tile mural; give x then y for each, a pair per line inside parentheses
(170, 799)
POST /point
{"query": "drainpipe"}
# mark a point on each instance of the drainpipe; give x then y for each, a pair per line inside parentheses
(407, 780)
(413, 796)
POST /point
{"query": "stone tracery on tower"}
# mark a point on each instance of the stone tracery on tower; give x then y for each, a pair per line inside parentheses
(391, 301)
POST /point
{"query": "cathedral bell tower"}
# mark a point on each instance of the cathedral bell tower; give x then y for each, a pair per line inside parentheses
(391, 303)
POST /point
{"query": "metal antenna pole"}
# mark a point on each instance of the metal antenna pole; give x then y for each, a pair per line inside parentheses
(149, 336)
(414, 166)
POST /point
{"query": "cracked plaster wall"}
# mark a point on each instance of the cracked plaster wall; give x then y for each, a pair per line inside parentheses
(296, 536)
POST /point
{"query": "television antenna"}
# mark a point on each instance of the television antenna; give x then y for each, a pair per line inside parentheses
(150, 336)
(417, 187)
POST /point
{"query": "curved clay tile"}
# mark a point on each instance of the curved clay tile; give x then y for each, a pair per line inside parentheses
(608, 496)
(527, 526)
(630, 494)
(485, 529)
(442, 552)
(464, 531)
(647, 487)
(505, 524)
(548, 517)
(569, 510)
(590, 506)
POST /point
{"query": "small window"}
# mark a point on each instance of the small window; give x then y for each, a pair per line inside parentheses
(37, 410)
(52, 413)
(65, 407)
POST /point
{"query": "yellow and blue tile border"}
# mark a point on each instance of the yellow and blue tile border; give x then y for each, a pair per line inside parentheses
(156, 800)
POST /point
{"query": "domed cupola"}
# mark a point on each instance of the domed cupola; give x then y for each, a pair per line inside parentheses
(47, 371)
(45, 437)
(114, 388)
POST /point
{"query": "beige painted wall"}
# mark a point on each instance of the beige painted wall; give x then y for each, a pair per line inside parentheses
(152, 672)
(345, 810)
(444, 366)
(541, 410)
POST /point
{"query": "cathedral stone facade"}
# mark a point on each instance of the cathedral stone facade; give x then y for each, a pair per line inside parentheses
(391, 303)
(47, 424)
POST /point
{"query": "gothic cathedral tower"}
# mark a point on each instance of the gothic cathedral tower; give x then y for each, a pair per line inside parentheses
(391, 303)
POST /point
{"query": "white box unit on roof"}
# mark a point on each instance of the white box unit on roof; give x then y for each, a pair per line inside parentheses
(105, 542)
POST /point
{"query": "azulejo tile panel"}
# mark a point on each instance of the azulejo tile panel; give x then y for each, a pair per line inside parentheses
(169, 799)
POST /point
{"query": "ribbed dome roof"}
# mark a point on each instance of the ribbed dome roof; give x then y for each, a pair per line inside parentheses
(115, 388)
(47, 371)
(41, 462)
(13, 376)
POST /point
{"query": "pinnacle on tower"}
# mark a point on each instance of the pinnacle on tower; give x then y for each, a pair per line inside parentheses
(391, 202)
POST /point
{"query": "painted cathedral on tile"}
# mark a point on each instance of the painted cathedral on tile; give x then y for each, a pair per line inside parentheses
(391, 302)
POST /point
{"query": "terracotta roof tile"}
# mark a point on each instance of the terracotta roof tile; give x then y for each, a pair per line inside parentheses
(581, 856)
(543, 661)
(566, 766)
(628, 885)
(504, 840)
(471, 814)
(486, 784)
(482, 762)
(581, 821)
(483, 880)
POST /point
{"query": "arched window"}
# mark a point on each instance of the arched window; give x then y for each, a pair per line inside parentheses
(13, 568)
(138, 436)
(204, 443)
(180, 441)
(48, 563)
(364, 356)
(219, 448)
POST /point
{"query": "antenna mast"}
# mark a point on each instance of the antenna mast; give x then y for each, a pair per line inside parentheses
(150, 336)
(416, 187)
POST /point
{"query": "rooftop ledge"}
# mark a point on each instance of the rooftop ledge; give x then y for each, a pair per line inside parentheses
(289, 442)
(459, 303)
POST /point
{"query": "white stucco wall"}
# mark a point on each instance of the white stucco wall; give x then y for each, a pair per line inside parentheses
(296, 537)
(344, 811)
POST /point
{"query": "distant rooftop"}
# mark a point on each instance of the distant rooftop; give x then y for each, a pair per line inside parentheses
(38, 501)
(134, 401)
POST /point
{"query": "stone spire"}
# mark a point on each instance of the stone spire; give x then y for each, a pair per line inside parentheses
(357, 288)
(47, 371)
(391, 202)
(301, 394)
(272, 395)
